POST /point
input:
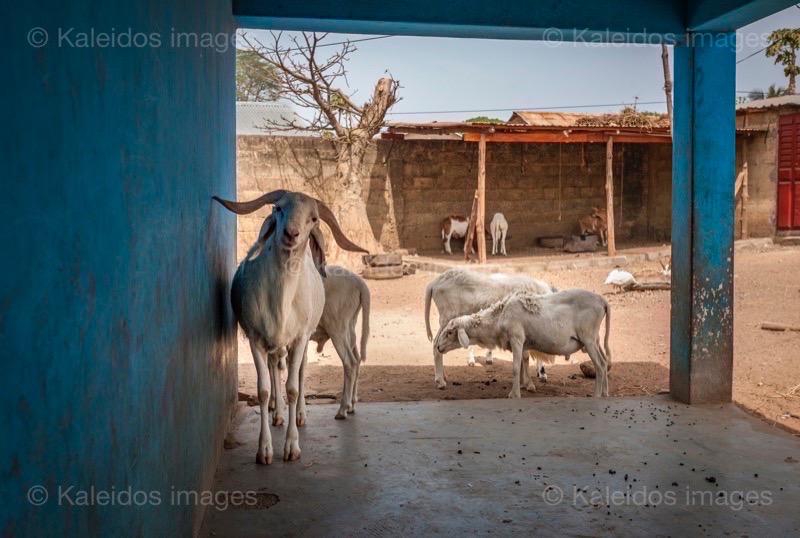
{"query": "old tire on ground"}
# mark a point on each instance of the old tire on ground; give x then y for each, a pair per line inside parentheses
(383, 273)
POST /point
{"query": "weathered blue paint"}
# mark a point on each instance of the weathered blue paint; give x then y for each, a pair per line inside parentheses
(118, 353)
(644, 21)
(728, 15)
(701, 368)
(559, 20)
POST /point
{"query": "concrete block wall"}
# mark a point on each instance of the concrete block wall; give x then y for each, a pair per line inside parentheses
(542, 189)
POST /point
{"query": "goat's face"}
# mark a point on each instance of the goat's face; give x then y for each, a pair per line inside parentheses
(296, 216)
(453, 336)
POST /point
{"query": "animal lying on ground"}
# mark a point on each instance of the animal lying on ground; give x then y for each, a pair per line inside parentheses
(595, 223)
(278, 298)
(557, 323)
(459, 291)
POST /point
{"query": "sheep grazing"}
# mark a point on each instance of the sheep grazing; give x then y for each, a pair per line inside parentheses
(459, 291)
(558, 323)
(346, 294)
(499, 228)
(278, 298)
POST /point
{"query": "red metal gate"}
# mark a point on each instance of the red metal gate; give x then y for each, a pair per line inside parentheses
(788, 217)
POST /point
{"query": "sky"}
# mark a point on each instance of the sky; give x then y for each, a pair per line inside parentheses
(446, 79)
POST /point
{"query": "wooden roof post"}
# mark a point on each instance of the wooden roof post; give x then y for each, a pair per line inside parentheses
(612, 249)
(481, 218)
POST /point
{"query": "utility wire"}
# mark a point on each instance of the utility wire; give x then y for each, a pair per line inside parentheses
(524, 108)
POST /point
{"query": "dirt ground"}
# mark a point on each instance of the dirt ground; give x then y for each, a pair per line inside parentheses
(399, 365)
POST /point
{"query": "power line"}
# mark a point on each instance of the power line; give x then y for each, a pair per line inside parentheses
(339, 43)
(524, 108)
(750, 56)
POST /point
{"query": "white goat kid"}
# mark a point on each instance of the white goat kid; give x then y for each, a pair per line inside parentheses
(499, 228)
(346, 294)
(559, 324)
(459, 291)
(278, 297)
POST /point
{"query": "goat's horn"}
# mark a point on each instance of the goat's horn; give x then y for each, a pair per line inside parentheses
(245, 208)
(327, 215)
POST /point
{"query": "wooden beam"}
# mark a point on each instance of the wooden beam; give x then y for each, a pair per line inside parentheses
(473, 218)
(612, 249)
(575, 137)
(481, 217)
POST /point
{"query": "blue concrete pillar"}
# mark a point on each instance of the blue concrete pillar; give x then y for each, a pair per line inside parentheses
(703, 163)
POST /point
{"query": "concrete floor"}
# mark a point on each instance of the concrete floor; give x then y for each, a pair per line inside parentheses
(560, 466)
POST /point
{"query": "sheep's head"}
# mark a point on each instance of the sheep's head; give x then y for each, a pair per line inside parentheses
(454, 335)
(294, 222)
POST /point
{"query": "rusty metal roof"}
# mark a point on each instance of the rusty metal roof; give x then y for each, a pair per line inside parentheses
(270, 118)
(572, 119)
(784, 100)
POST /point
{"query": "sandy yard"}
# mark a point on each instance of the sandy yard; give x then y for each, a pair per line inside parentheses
(399, 364)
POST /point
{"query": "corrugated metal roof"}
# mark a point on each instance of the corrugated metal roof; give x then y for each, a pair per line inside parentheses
(784, 100)
(572, 119)
(266, 119)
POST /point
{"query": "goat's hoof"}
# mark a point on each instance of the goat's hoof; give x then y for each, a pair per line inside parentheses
(489, 360)
(340, 415)
(471, 362)
(513, 395)
(264, 460)
(301, 420)
(277, 421)
(291, 455)
(531, 387)
(441, 385)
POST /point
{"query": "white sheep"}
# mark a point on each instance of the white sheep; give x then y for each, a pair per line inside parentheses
(459, 291)
(558, 323)
(346, 294)
(278, 297)
(499, 228)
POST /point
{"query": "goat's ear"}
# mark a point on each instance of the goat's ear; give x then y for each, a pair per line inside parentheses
(463, 339)
(267, 229)
(317, 244)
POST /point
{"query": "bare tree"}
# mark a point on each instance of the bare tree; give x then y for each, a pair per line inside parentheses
(313, 76)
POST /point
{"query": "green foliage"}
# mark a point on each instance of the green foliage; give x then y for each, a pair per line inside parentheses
(783, 45)
(485, 119)
(256, 80)
(772, 91)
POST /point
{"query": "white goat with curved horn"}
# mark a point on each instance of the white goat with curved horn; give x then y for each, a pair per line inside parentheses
(278, 296)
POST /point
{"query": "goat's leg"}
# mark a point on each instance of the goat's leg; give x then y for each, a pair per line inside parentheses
(471, 356)
(277, 394)
(600, 367)
(438, 368)
(291, 447)
(264, 454)
(525, 380)
(301, 397)
(540, 373)
(489, 359)
(349, 366)
(503, 243)
(447, 244)
(494, 243)
(516, 350)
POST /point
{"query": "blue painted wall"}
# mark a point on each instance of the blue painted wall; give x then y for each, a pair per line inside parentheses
(117, 365)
